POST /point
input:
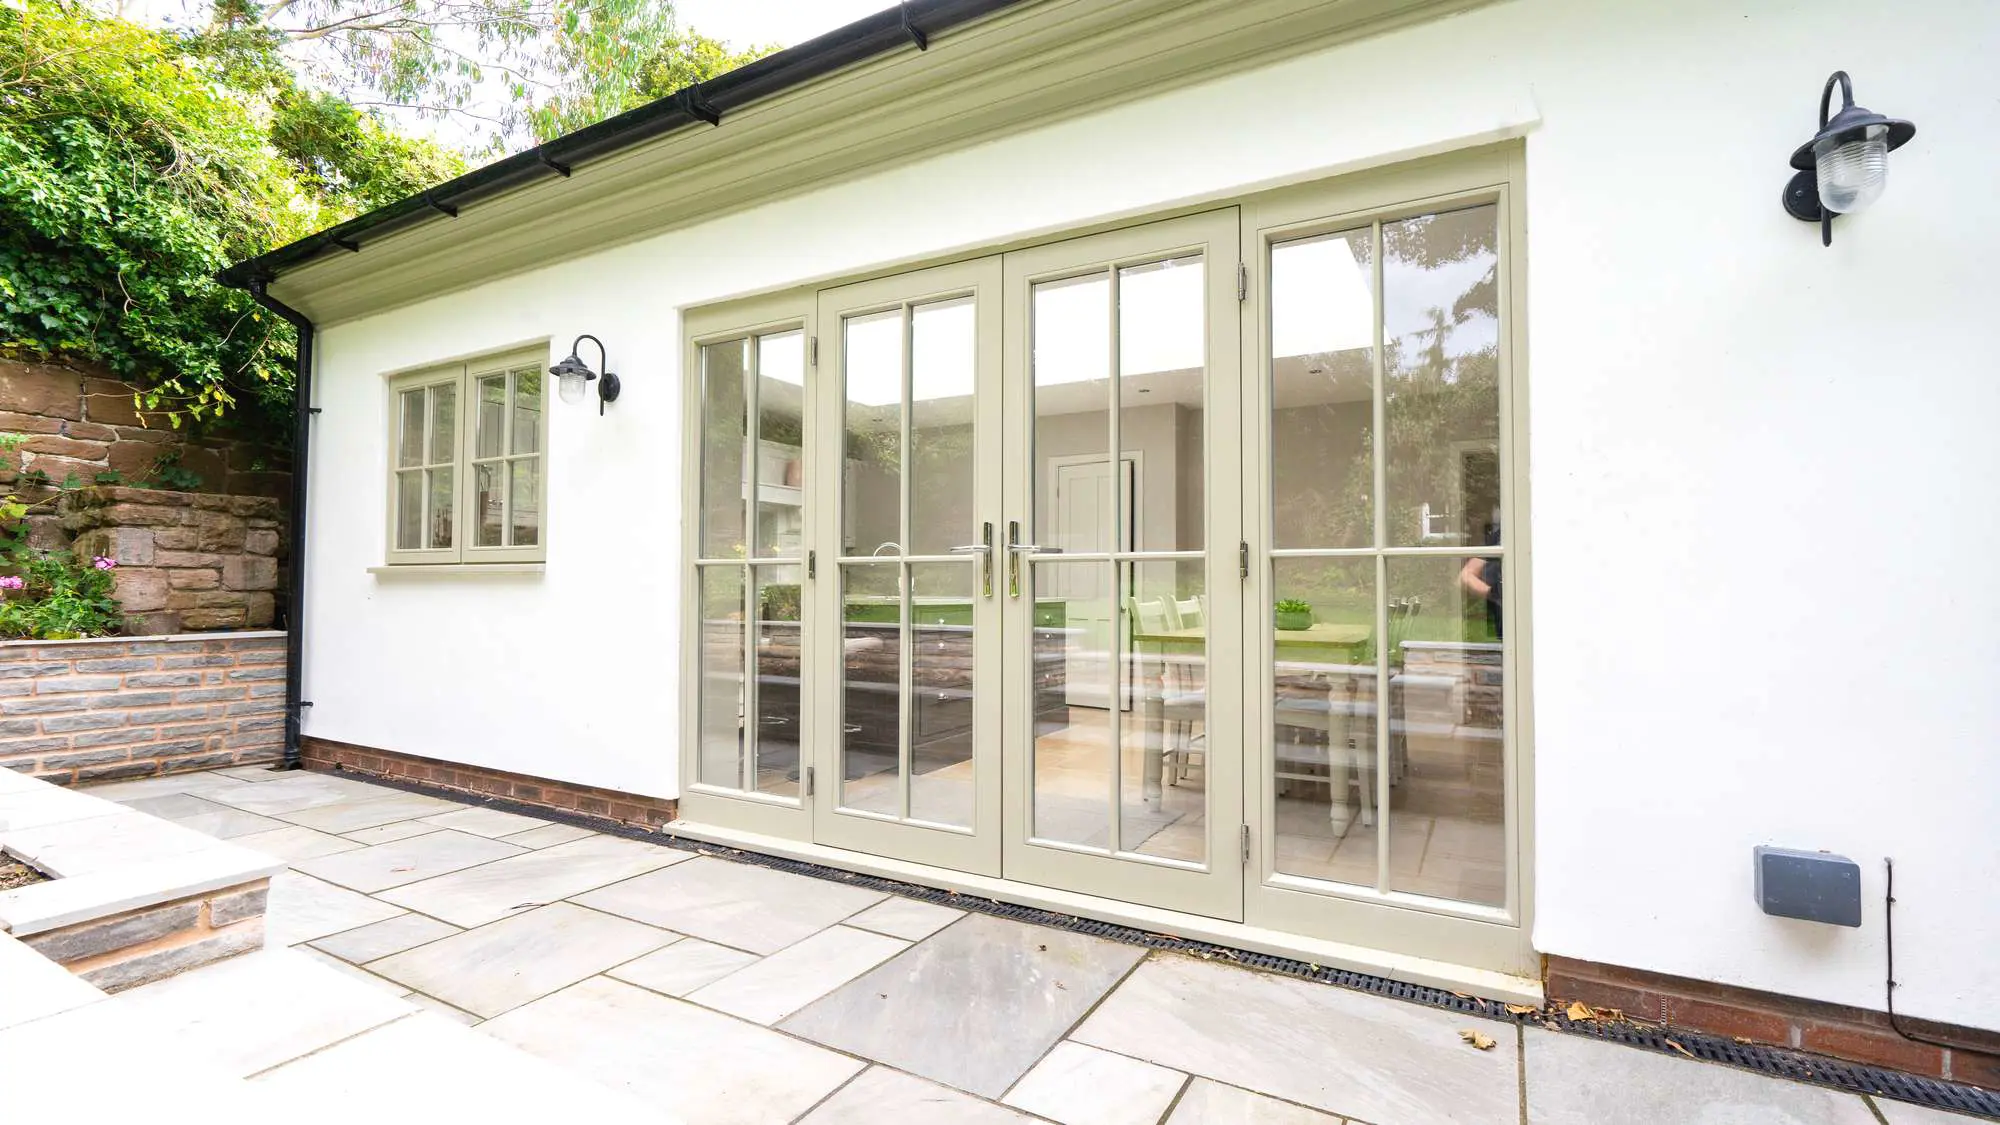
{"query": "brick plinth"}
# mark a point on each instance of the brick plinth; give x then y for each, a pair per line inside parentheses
(154, 942)
(1856, 1034)
(94, 710)
(479, 781)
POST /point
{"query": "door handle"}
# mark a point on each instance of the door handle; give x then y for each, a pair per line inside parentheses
(1033, 549)
(985, 549)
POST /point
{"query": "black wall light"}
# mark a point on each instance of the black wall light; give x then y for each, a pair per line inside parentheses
(573, 375)
(1844, 167)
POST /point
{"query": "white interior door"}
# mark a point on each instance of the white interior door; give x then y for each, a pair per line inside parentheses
(1086, 523)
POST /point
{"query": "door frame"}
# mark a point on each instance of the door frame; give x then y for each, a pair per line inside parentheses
(1498, 938)
(753, 812)
(976, 849)
(1213, 888)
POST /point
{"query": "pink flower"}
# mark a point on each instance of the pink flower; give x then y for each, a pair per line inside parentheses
(104, 562)
(11, 582)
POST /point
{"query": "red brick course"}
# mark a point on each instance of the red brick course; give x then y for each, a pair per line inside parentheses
(1860, 1035)
(75, 711)
(604, 804)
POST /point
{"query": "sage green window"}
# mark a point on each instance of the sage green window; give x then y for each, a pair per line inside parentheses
(466, 475)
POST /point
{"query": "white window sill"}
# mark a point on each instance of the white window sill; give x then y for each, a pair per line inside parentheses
(454, 570)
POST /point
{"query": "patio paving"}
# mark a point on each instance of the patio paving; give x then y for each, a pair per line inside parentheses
(616, 976)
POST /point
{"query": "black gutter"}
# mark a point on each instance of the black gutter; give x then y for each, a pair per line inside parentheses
(295, 586)
(910, 24)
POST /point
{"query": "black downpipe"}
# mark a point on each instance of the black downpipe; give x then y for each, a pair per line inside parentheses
(295, 592)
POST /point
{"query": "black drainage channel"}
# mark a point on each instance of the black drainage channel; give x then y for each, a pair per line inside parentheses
(1815, 1070)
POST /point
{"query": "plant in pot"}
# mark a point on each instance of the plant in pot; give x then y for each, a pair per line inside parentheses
(1294, 615)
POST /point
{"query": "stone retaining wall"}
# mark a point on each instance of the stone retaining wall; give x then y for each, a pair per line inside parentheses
(92, 710)
(186, 560)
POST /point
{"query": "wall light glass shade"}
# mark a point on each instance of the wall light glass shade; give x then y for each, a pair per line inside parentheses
(1852, 172)
(570, 388)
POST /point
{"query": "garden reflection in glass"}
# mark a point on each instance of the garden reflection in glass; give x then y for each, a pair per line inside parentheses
(1385, 492)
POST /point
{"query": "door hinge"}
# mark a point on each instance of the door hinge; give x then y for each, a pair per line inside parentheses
(812, 350)
(1242, 281)
(1243, 560)
(1246, 845)
(812, 564)
(809, 781)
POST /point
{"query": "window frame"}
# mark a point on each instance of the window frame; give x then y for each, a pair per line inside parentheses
(465, 377)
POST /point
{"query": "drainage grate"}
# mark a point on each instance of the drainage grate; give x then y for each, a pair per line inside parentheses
(1814, 1070)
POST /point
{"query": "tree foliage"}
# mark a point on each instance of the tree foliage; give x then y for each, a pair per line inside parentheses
(133, 165)
(687, 58)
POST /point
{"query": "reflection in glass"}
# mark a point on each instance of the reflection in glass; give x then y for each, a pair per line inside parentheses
(942, 358)
(1447, 826)
(872, 432)
(871, 703)
(444, 424)
(722, 677)
(440, 508)
(410, 432)
(723, 435)
(1072, 753)
(527, 437)
(488, 502)
(1323, 718)
(781, 366)
(1071, 353)
(1163, 736)
(1441, 341)
(941, 691)
(490, 424)
(1162, 361)
(776, 653)
(525, 501)
(409, 510)
(1322, 391)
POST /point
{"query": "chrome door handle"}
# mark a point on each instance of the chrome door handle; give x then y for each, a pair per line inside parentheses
(985, 549)
(1034, 549)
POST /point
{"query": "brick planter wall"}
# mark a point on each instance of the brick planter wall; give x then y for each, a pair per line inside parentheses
(186, 560)
(92, 710)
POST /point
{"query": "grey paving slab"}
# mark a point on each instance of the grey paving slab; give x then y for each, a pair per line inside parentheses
(906, 918)
(204, 816)
(1572, 1080)
(485, 822)
(1902, 1113)
(253, 1012)
(302, 908)
(47, 804)
(207, 783)
(292, 843)
(348, 816)
(393, 935)
(491, 891)
(733, 904)
(295, 791)
(32, 986)
(883, 1095)
(407, 861)
(548, 835)
(389, 833)
(1079, 1085)
(974, 1006)
(1212, 1103)
(505, 964)
(433, 1004)
(426, 1068)
(798, 974)
(253, 773)
(353, 972)
(702, 1065)
(100, 843)
(682, 967)
(1381, 1060)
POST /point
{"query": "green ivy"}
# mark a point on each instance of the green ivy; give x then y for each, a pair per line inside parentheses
(61, 598)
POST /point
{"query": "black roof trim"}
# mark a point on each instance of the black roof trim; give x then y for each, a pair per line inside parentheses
(707, 104)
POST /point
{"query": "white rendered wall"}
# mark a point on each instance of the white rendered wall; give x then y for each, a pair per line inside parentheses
(1762, 471)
